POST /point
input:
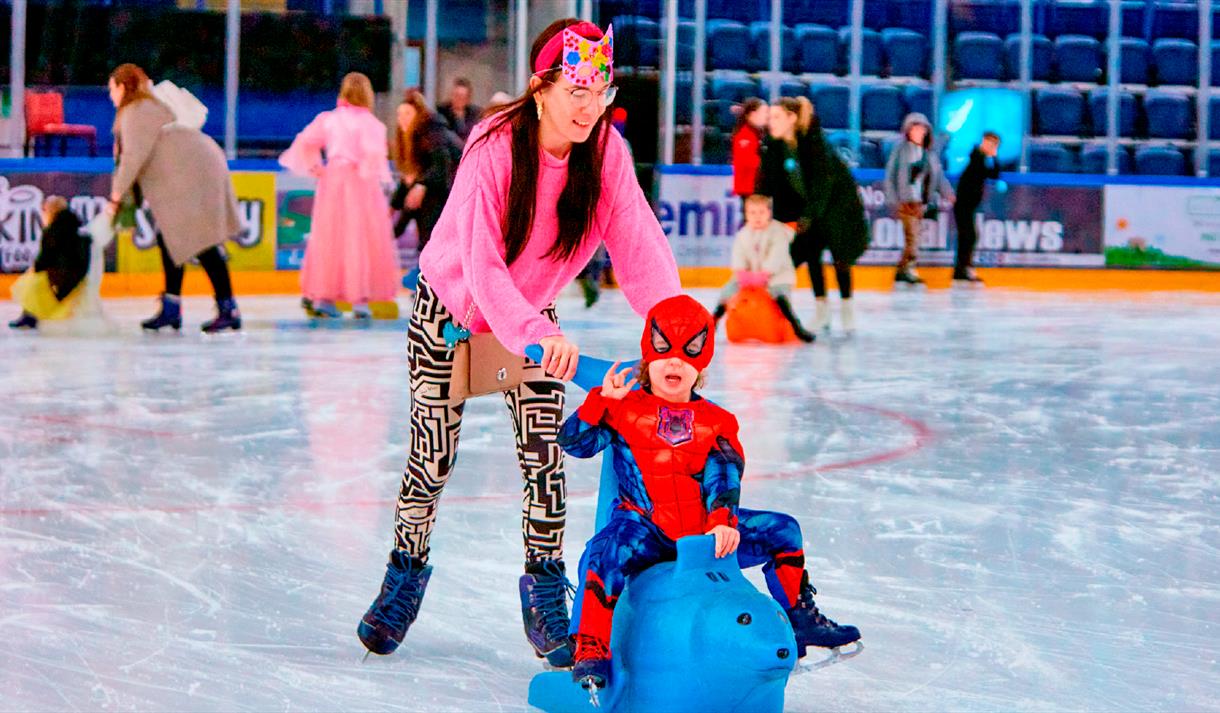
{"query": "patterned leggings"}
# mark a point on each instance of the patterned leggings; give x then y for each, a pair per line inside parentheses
(536, 408)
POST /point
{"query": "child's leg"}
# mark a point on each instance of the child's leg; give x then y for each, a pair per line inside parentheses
(625, 546)
(726, 294)
(773, 539)
(781, 295)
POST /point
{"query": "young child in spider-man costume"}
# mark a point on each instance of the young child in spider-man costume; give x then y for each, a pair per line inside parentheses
(679, 467)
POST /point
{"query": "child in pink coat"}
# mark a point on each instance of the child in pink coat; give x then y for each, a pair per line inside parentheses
(350, 252)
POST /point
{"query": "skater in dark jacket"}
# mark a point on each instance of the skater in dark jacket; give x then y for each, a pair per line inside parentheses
(62, 262)
(426, 154)
(983, 165)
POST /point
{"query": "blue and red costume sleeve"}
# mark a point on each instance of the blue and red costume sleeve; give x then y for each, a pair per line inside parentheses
(586, 433)
(721, 483)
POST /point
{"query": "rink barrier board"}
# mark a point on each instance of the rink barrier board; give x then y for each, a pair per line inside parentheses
(868, 278)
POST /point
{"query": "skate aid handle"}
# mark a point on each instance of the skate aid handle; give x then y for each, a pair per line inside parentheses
(590, 371)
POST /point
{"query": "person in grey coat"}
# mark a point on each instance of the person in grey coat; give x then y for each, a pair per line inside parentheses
(913, 180)
(183, 175)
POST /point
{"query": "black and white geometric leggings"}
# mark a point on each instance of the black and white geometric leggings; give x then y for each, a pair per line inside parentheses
(536, 408)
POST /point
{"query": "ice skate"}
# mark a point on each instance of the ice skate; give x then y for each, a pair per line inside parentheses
(228, 317)
(592, 667)
(812, 628)
(170, 315)
(544, 611)
(384, 625)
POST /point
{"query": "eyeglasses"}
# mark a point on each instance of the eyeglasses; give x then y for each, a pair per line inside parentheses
(582, 97)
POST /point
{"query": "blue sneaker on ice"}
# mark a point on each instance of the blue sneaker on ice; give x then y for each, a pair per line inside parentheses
(384, 625)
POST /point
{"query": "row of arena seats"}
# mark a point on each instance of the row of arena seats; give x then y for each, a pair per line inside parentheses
(1157, 114)
(1147, 19)
(1091, 157)
(900, 52)
(1078, 58)
(265, 120)
(882, 105)
(1044, 156)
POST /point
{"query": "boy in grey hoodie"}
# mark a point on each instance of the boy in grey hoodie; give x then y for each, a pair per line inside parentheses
(913, 179)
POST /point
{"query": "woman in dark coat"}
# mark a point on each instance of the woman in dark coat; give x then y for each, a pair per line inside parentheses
(812, 187)
(426, 153)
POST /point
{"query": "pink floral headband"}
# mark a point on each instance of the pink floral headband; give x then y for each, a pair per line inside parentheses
(584, 60)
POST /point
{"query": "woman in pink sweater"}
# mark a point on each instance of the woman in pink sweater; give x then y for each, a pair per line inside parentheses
(542, 183)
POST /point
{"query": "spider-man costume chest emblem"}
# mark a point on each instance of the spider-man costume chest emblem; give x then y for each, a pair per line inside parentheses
(675, 426)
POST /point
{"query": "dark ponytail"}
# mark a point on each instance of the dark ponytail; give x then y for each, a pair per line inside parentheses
(578, 201)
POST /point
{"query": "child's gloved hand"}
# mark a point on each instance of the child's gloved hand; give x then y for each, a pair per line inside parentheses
(727, 539)
(615, 385)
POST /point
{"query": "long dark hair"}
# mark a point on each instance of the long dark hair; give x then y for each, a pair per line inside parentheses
(748, 107)
(578, 201)
(402, 147)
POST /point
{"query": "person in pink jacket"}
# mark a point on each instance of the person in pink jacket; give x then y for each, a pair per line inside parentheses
(350, 254)
(543, 182)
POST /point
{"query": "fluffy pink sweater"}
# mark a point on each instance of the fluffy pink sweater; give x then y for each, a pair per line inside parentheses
(464, 261)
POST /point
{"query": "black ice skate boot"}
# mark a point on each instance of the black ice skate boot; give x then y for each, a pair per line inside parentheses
(169, 316)
(812, 628)
(785, 308)
(544, 611)
(25, 321)
(384, 625)
(227, 317)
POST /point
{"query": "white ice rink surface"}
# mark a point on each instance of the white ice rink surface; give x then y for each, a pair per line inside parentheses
(1013, 495)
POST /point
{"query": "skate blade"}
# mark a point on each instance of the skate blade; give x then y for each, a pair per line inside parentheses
(366, 656)
(835, 656)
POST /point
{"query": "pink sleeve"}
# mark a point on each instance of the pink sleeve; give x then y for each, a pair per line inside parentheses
(375, 161)
(514, 321)
(639, 251)
(305, 153)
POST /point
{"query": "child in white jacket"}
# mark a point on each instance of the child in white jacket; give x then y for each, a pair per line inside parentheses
(762, 245)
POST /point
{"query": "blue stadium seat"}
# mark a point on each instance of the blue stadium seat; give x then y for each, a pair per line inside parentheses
(870, 55)
(733, 10)
(870, 155)
(906, 52)
(887, 146)
(832, 13)
(978, 55)
(1094, 154)
(881, 107)
(1079, 17)
(636, 41)
(817, 48)
(719, 113)
(1126, 112)
(1168, 113)
(1160, 161)
(997, 17)
(840, 141)
(1133, 60)
(686, 45)
(1078, 58)
(918, 99)
(683, 106)
(717, 146)
(1175, 19)
(728, 45)
(760, 48)
(1216, 63)
(1176, 61)
(788, 87)
(1059, 111)
(1213, 162)
(912, 15)
(1047, 157)
(1213, 117)
(1040, 48)
(831, 102)
(735, 87)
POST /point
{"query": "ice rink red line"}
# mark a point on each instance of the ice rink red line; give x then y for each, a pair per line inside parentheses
(923, 435)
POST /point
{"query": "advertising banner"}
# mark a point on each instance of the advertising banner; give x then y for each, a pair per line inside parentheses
(21, 197)
(295, 211)
(22, 194)
(1163, 227)
(1032, 226)
(253, 249)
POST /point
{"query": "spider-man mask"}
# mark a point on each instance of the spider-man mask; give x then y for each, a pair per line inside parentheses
(679, 327)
